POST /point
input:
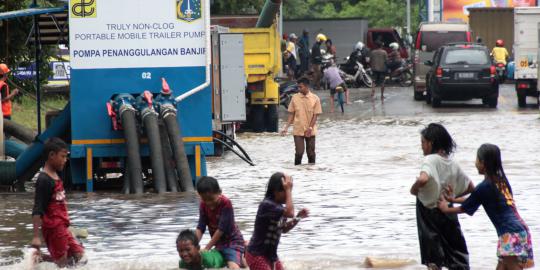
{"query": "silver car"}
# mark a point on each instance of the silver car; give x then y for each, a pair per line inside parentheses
(429, 39)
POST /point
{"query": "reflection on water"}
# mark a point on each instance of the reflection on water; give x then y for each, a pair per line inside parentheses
(358, 194)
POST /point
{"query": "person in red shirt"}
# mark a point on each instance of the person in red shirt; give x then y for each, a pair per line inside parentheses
(50, 209)
(6, 95)
(216, 212)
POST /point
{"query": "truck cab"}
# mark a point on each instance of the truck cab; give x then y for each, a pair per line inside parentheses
(386, 36)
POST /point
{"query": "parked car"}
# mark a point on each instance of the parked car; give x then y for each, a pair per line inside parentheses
(429, 39)
(386, 36)
(462, 71)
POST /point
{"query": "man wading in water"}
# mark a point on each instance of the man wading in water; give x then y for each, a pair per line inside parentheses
(441, 240)
(304, 109)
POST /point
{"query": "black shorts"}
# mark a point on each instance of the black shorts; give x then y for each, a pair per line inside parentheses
(379, 77)
(333, 90)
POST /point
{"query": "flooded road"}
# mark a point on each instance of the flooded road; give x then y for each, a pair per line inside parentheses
(358, 192)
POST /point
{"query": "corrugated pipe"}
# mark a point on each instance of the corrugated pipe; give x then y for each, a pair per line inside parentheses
(133, 167)
(149, 119)
(268, 13)
(170, 172)
(18, 131)
(169, 115)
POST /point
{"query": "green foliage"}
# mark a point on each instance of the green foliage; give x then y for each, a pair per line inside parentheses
(15, 46)
(379, 13)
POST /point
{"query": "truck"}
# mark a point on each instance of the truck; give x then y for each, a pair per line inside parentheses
(526, 22)
(492, 24)
(262, 64)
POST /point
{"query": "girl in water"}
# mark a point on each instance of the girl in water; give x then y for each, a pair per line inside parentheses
(441, 241)
(514, 248)
(271, 221)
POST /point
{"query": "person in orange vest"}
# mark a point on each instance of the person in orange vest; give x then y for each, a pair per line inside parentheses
(6, 95)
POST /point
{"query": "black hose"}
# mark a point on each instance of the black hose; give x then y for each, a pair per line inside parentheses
(126, 186)
(234, 143)
(170, 173)
(134, 176)
(179, 151)
(234, 151)
(18, 131)
(150, 122)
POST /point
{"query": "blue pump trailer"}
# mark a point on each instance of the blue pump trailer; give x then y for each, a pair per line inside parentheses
(149, 59)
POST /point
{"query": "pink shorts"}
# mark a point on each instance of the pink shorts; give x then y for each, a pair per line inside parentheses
(262, 263)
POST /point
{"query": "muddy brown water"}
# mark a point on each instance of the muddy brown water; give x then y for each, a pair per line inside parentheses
(358, 194)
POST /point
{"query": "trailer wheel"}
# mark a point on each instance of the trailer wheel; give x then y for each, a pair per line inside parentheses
(272, 118)
(418, 96)
(522, 100)
(257, 118)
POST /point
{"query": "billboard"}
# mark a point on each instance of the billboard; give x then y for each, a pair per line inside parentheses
(457, 10)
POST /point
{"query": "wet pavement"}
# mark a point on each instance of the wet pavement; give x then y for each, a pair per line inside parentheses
(358, 192)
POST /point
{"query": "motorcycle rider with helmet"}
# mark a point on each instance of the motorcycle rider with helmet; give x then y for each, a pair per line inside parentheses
(316, 60)
(499, 53)
(360, 54)
(394, 58)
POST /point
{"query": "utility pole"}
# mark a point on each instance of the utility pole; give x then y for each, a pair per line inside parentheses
(431, 10)
(408, 17)
(38, 63)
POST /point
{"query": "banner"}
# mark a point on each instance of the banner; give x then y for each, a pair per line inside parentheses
(136, 33)
(457, 10)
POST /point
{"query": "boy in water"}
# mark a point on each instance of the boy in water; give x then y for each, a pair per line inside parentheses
(188, 248)
(216, 212)
(50, 208)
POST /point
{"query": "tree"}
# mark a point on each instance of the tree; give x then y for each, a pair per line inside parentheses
(16, 48)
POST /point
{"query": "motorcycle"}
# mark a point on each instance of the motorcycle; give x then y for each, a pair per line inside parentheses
(286, 91)
(501, 71)
(357, 75)
(402, 75)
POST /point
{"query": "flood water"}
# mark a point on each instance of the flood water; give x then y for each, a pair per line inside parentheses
(358, 194)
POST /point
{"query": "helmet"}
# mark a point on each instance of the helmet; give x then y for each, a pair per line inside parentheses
(394, 46)
(359, 46)
(321, 38)
(4, 69)
(499, 42)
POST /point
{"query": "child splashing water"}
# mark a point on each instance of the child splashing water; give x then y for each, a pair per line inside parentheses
(192, 257)
(514, 248)
(216, 212)
(271, 221)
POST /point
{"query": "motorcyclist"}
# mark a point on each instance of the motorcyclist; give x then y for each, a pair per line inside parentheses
(394, 57)
(359, 54)
(316, 60)
(499, 53)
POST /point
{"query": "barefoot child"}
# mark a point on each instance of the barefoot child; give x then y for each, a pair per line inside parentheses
(270, 222)
(192, 257)
(514, 248)
(216, 212)
(50, 208)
